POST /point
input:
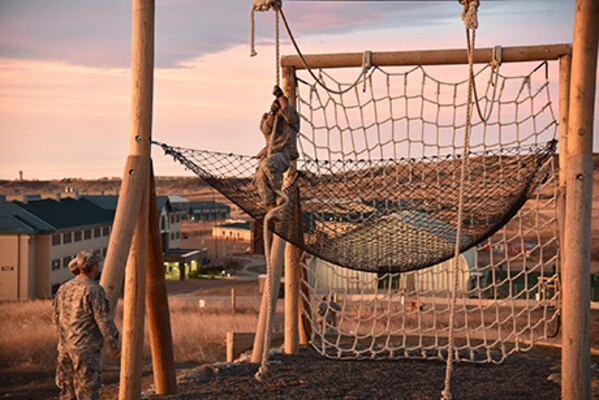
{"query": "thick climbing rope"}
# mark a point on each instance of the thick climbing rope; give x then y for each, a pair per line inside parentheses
(266, 5)
(366, 63)
(270, 284)
(270, 272)
(469, 16)
(276, 211)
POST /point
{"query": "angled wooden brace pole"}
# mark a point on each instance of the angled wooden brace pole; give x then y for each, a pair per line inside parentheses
(576, 330)
(161, 339)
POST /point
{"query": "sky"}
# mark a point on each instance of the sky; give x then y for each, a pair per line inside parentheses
(65, 78)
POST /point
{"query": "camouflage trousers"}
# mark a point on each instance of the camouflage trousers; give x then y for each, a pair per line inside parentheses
(79, 375)
(269, 177)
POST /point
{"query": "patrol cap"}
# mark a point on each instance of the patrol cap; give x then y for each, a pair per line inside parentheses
(84, 258)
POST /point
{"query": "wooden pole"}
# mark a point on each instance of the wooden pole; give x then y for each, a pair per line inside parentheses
(233, 301)
(134, 307)
(564, 105)
(576, 379)
(159, 325)
(428, 57)
(291, 338)
(142, 76)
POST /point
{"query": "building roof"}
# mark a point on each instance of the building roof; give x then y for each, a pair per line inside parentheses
(106, 202)
(245, 225)
(110, 202)
(67, 213)
(14, 219)
(177, 199)
(15, 224)
(206, 206)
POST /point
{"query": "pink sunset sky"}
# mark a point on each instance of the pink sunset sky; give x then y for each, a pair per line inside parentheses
(65, 79)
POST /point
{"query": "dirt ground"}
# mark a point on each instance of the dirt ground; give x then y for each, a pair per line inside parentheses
(310, 376)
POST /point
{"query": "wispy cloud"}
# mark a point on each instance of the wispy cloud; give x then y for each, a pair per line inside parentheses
(97, 33)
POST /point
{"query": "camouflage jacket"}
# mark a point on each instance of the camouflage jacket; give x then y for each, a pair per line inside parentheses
(285, 138)
(81, 312)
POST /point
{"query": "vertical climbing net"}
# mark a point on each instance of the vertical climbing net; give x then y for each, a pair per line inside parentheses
(508, 282)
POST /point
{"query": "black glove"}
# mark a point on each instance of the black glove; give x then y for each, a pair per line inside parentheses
(275, 107)
(277, 91)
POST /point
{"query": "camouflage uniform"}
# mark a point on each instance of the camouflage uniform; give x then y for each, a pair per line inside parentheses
(280, 150)
(81, 312)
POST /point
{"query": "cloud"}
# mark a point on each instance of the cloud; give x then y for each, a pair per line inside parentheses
(98, 33)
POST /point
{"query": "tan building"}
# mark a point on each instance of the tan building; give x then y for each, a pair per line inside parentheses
(233, 230)
(38, 239)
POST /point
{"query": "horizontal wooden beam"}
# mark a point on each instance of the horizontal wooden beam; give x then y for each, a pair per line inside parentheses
(428, 57)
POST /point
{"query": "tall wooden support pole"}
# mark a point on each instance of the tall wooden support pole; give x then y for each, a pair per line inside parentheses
(576, 382)
(134, 307)
(161, 339)
(142, 76)
(564, 105)
(291, 338)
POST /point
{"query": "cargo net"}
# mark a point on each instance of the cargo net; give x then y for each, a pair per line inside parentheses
(379, 170)
(508, 296)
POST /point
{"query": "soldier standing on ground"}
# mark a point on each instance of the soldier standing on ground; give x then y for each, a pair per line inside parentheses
(280, 149)
(81, 313)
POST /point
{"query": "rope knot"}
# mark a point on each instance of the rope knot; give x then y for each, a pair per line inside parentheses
(266, 5)
(470, 13)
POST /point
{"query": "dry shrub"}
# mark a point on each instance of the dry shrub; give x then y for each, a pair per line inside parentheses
(199, 334)
(28, 335)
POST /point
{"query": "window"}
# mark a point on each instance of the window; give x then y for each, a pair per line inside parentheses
(55, 288)
(106, 231)
(66, 261)
(178, 218)
(97, 232)
(78, 236)
(55, 264)
(172, 236)
(55, 240)
(172, 219)
(67, 237)
(177, 235)
(87, 234)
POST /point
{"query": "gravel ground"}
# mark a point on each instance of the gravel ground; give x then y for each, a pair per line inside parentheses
(310, 376)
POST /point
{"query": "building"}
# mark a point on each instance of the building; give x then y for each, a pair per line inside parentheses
(233, 230)
(38, 238)
(204, 211)
(170, 218)
(435, 280)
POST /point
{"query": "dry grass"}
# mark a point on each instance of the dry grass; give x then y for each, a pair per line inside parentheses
(28, 336)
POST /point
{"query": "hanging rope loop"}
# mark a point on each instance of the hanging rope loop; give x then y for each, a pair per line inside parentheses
(261, 6)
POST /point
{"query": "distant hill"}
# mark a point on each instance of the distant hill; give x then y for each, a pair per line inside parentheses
(195, 189)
